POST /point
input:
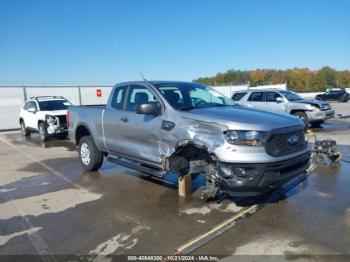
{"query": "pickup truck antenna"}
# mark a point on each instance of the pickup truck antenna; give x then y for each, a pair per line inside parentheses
(144, 79)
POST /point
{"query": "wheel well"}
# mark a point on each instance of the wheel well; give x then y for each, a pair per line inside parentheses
(81, 132)
(39, 122)
(296, 110)
(181, 158)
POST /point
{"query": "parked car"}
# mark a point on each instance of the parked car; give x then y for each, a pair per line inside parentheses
(339, 95)
(45, 115)
(283, 101)
(160, 126)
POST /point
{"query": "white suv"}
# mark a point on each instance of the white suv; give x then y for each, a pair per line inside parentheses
(46, 115)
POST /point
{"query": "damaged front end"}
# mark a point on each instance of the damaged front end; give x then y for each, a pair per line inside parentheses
(227, 170)
(242, 180)
(56, 125)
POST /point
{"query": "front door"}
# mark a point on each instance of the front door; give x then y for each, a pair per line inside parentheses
(138, 134)
(272, 103)
(30, 111)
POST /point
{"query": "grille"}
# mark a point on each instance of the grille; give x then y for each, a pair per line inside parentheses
(282, 143)
(63, 120)
(325, 107)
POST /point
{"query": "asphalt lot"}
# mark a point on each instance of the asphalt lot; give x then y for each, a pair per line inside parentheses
(48, 205)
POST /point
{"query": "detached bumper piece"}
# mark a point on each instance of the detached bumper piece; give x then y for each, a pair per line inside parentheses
(255, 179)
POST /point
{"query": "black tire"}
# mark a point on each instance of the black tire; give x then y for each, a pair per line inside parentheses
(345, 99)
(43, 131)
(90, 157)
(317, 123)
(303, 117)
(24, 130)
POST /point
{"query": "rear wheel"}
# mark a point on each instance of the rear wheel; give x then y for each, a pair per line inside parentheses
(303, 117)
(91, 158)
(43, 131)
(24, 130)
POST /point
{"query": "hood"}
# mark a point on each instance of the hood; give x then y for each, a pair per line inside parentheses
(55, 112)
(241, 118)
(318, 103)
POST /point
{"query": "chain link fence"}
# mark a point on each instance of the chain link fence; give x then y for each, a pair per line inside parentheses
(13, 97)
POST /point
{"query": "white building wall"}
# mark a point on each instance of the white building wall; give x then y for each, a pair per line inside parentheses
(230, 89)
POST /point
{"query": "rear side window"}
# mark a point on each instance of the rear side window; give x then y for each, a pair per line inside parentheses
(257, 97)
(26, 106)
(30, 104)
(118, 97)
(238, 96)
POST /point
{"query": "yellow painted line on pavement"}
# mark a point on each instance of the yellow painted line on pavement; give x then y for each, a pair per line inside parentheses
(212, 233)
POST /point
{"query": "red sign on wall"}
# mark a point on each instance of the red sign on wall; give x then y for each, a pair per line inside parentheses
(98, 92)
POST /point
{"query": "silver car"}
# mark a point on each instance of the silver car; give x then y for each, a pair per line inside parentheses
(283, 101)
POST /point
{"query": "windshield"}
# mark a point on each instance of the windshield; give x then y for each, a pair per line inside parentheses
(52, 105)
(186, 96)
(291, 96)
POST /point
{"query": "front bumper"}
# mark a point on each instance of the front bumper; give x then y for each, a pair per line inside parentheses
(56, 130)
(262, 177)
(320, 115)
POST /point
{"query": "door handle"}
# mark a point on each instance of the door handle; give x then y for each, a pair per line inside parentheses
(124, 119)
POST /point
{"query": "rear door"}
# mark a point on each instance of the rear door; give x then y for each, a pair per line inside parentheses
(331, 95)
(111, 122)
(257, 100)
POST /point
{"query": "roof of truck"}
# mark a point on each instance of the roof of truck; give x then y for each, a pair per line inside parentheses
(155, 82)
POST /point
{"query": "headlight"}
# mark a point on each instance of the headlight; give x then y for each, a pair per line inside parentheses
(50, 120)
(245, 138)
(313, 108)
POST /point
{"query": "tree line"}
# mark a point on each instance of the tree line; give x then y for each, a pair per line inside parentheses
(297, 79)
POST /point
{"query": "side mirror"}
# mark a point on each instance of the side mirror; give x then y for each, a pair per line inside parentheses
(151, 108)
(279, 99)
(32, 110)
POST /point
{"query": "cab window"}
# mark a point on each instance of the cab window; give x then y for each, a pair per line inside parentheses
(139, 95)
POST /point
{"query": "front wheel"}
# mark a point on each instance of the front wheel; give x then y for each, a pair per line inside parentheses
(303, 117)
(317, 123)
(91, 158)
(43, 132)
(24, 130)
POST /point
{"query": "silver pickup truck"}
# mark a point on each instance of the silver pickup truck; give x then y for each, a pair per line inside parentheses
(164, 126)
